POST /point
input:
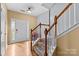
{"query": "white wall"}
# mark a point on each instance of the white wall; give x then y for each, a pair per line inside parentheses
(77, 12)
(44, 19)
(55, 10)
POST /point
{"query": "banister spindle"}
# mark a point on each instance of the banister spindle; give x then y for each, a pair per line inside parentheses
(31, 39)
(45, 32)
(55, 21)
(40, 30)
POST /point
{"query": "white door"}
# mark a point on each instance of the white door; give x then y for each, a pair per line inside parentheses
(20, 32)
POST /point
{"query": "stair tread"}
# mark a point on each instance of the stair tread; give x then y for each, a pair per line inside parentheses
(39, 47)
(39, 51)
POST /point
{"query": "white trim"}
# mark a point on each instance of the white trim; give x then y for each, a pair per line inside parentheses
(12, 33)
(74, 14)
(69, 18)
(3, 30)
(28, 31)
(64, 23)
(53, 50)
(67, 31)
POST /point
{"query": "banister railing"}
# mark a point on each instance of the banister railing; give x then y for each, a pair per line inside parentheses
(39, 28)
(54, 25)
(36, 27)
(39, 25)
(64, 10)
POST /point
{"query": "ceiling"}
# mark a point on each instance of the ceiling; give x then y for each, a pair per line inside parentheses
(37, 8)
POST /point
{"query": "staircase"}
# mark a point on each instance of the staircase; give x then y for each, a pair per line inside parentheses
(39, 47)
(47, 46)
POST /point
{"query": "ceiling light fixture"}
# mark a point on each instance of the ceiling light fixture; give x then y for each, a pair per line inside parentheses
(28, 11)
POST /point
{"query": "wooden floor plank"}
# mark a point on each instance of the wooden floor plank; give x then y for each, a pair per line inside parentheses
(19, 49)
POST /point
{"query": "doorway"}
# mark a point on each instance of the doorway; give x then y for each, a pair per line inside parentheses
(19, 30)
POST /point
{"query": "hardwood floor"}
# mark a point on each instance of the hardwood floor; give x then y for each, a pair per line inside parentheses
(19, 49)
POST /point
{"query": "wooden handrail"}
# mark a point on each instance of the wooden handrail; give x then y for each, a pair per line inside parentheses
(64, 10)
(50, 27)
(45, 24)
(39, 25)
(36, 27)
(56, 17)
(55, 22)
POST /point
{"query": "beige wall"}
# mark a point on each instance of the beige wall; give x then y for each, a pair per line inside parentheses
(32, 20)
(69, 43)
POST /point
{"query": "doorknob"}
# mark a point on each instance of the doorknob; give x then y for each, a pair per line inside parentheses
(16, 29)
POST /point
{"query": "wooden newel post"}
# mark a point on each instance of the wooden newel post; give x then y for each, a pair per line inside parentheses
(55, 21)
(45, 32)
(31, 39)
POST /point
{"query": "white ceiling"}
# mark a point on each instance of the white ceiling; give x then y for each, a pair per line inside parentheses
(37, 8)
(48, 5)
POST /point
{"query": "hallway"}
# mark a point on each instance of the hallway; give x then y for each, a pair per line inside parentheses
(51, 31)
(19, 49)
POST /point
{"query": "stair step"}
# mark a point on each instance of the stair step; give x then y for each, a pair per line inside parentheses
(39, 47)
(41, 43)
(34, 53)
(39, 51)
